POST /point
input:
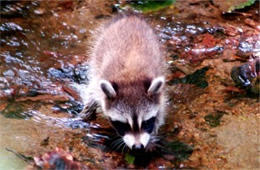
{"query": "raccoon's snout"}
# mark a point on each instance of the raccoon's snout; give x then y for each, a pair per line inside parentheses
(137, 142)
(138, 147)
(135, 138)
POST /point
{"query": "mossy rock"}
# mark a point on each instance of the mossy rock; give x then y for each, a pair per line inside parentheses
(15, 110)
(150, 5)
(231, 5)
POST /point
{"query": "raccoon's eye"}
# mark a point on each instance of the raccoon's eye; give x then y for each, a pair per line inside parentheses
(148, 125)
(121, 127)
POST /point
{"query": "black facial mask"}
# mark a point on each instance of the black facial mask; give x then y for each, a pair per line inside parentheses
(121, 127)
(148, 125)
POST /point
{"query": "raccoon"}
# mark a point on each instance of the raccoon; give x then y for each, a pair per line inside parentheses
(127, 80)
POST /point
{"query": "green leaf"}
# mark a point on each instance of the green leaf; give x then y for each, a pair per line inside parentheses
(129, 158)
(230, 5)
(150, 5)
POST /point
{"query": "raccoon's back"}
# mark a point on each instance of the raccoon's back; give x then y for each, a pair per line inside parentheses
(127, 49)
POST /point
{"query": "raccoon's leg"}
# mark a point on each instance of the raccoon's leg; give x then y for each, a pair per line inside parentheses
(88, 99)
(89, 110)
(91, 98)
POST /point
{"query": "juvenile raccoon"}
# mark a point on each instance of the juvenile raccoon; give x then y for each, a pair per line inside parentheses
(127, 79)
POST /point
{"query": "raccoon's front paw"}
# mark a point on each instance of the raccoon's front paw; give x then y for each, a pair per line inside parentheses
(89, 112)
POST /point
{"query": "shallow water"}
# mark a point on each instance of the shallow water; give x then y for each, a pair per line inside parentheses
(210, 119)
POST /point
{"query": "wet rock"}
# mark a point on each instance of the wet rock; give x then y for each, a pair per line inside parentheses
(14, 9)
(79, 124)
(4, 83)
(247, 76)
(194, 42)
(9, 73)
(52, 54)
(201, 53)
(78, 74)
(39, 11)
(15, 110)
(208, 40)
(230, 5)
(252, 23)
(5, 93)
(72, 107)
(249, 44)
(57, 159)
(10, 26)
(245, 47)
(231, 30)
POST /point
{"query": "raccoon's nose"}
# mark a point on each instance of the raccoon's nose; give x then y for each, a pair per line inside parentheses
(138, 147)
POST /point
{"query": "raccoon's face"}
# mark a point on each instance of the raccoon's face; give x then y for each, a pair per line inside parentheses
(135, 117)
(135, 128)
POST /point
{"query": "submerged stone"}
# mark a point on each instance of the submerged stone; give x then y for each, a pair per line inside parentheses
(247, 76)
(15, 110)
(57, 159)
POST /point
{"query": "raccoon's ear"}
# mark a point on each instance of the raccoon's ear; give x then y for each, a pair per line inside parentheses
(156, 85)
(107, 88)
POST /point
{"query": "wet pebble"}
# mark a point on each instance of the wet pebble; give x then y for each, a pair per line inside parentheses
(10, 26)
(57, 159)
(13, 9)
(78, 74)
(3, 83)
(245, 46)
(247, 76)
(72, 107)
(249, 46)
(9, 73)
(39, 11)
(252, 23)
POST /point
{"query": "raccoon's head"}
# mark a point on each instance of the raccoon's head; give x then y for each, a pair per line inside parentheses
(135, 109)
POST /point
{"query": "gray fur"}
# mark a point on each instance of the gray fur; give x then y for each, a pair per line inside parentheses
(126, 55)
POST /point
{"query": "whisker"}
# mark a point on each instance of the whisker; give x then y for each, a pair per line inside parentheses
(116, 143)
(156, 142)
(114, 146)
(119, 145)
(124, 148)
